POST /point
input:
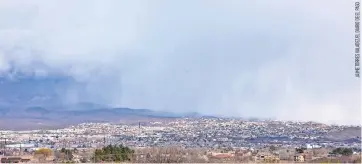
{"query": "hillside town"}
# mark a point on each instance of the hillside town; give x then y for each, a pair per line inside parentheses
(215, 139)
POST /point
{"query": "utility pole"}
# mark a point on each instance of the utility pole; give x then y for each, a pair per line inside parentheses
(104, 141)
(64, 144)
(4, 145)
(20, 149)
(139, 131)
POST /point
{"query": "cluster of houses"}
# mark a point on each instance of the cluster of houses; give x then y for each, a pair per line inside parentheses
(265, 155)
(14, 159)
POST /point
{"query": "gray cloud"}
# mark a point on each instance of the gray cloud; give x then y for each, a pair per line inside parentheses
(281, 59)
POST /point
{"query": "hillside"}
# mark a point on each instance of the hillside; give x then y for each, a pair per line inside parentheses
(345, 134)
(40, 117)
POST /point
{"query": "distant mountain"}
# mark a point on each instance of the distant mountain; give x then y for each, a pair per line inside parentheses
(37, 110)
(39, 117)
(35, 102)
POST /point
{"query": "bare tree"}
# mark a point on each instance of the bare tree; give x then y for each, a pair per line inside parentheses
(42, 154)
(171, 154)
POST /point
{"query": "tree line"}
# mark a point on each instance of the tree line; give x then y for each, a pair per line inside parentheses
(113, 153)
(343, 151)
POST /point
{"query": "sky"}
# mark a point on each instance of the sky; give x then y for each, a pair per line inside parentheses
(282, 59)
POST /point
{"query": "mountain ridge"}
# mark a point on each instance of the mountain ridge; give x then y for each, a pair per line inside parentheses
(11, 117)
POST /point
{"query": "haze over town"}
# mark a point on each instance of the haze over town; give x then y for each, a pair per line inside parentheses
(281, 59)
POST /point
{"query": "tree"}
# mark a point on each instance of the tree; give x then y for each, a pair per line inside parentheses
(171, 154)
(64, 155)
(271, 160)
(67, 154)
(300, 150)
(83, 160)
(113, 153)
(272, 148)
(337, 151)
(343, 151)
(43, 153)
(347, 152)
